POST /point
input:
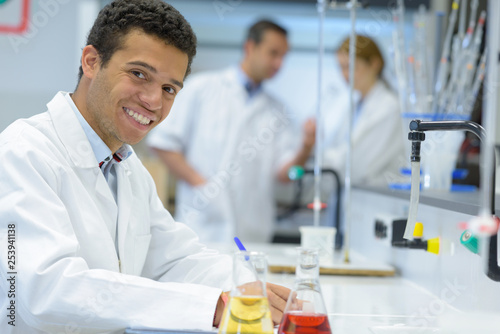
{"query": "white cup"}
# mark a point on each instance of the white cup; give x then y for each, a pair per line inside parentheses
(320, 237)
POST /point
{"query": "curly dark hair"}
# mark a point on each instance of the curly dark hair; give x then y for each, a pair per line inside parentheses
(154, 17)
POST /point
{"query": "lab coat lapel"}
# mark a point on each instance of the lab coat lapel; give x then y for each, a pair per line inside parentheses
(83, 158)
(238, 103)
(371, 102)
(235, 102)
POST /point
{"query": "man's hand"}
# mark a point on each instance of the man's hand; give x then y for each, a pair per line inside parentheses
(308, 141)
(220, 308)
(277, 296)
(309, 133)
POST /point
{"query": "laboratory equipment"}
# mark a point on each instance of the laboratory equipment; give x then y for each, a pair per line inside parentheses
(431, 245)
(318, 155)
(247, 310)
(321, 237)
(347, 180)
(469, 241)
(305, 310)
(444, 65)
(485, 224)
(317, 204)
(400, 54)
(298, 174)
(416, 139)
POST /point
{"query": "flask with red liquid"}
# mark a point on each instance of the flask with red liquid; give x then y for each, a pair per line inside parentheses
(305, 311)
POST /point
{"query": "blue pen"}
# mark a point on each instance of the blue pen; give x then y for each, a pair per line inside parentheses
(239, 244)
(241, 247)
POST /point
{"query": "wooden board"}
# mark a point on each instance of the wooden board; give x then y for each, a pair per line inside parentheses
(282, 260)
(337, 271)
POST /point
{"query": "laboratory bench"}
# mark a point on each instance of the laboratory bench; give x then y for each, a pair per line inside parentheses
(445, 293)
(424, 293)
(359, 304)
(377, 305)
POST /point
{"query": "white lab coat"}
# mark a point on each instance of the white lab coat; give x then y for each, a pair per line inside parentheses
(377, 136)
(67, 268)
(238, 145)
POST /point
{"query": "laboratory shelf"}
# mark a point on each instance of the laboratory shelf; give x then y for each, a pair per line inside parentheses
(463, 202)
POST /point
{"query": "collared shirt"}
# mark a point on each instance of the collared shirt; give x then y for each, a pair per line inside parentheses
(250, 86)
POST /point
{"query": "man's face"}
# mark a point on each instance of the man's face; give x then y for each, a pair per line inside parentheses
(135, 91)
(267, 56)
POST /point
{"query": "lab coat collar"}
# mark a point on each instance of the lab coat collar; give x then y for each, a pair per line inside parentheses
(250, 86)
(231, 79)
(377, 88)
(71, 133)
(73, 136)
(101, 150)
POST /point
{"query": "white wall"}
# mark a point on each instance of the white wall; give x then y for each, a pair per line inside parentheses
(44, 60)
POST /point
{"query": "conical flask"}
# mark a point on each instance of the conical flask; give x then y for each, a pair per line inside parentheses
(247, 310)
(305, 310)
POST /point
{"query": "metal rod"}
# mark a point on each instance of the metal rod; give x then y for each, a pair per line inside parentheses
(347, 182)
(318, 156)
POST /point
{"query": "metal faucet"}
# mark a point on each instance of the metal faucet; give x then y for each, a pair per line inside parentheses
(416, 135)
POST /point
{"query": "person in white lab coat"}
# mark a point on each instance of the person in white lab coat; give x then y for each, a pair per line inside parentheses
(228, 141)
(91, 248)
(377, 137)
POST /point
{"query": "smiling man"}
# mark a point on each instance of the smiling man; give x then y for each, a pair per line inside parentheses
(96, 250)
(132, 93)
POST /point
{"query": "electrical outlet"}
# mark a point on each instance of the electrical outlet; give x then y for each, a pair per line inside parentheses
(383, 228)
(380, 229)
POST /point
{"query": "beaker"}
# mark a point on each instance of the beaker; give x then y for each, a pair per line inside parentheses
(305, 310)
(320, 237)
(247, 310)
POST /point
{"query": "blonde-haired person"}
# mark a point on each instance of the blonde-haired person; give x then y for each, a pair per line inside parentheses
(377, 138)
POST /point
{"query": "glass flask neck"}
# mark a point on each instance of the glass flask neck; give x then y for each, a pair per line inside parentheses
(307, 265)
(249, 273)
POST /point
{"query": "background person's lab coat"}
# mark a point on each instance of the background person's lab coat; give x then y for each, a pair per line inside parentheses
(377, 137)
(67, 267)
(236, 143)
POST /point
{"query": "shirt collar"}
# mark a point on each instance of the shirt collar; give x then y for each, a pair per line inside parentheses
(250, 86)
(101, 150)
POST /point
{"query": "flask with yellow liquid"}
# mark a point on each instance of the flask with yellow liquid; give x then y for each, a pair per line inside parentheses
(247, 310)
